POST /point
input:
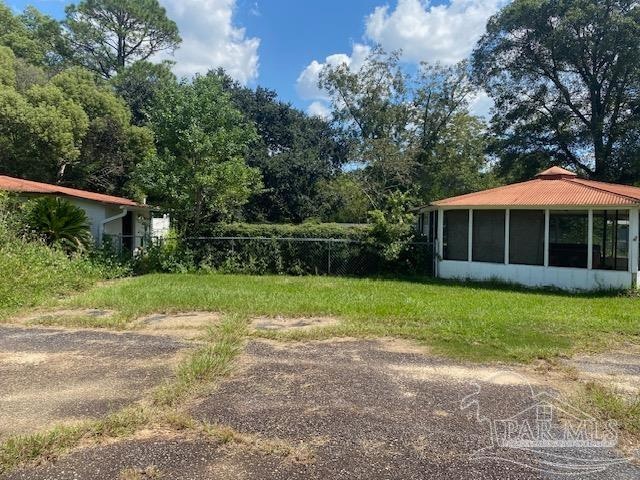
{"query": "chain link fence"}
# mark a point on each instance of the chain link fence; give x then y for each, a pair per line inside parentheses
(290, 255)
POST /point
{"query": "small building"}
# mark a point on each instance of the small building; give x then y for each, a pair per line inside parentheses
(124, 221)
(556, 230)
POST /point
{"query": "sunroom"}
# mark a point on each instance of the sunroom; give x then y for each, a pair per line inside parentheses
(556, 230)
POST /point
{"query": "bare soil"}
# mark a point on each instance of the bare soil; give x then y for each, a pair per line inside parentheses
(292, 323)
(35, 317)
(619, 369)
(188, 325)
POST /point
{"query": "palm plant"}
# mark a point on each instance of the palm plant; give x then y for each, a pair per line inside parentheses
(59, 223)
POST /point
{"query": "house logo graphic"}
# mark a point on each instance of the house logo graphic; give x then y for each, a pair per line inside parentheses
(548, 435)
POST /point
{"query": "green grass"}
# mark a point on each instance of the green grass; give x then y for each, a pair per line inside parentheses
(32, 274)
(607, 404)
(212, 360)
(50, 444)
(473, 321)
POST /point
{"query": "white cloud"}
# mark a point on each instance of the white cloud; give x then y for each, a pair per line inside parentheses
(307, 83)
(481, 104)
(444, 33)
(319, 109)
(211, 40)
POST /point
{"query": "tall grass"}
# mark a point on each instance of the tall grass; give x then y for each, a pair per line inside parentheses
(473, 321)
(31, 272)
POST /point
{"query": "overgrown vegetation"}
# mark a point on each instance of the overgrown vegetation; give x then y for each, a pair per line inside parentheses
(608, 405)
(50, 444)
(213, 360)
(31, 272)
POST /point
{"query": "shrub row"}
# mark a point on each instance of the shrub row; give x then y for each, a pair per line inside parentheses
(279, 249)
(359, 232)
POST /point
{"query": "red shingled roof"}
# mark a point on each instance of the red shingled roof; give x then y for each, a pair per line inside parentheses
(27, 186)
(553, 187)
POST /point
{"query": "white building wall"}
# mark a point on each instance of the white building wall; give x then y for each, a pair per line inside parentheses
(96, 212)
(536, 276)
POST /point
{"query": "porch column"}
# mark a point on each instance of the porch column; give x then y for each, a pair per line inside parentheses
(590, 241)
(470, 237)
(507, 221)
(634, 242)
(546, 237)
(440, 239)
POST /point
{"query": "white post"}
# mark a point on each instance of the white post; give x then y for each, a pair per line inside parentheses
(470, 237)
(546, 237)
(440, 238)
(590, 241)
(634, 246)
(507, 222)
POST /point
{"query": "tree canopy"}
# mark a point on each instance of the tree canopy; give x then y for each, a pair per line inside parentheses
(202, 141)
(107, 35)
(564, 77)
(294, 152)
(408, 133)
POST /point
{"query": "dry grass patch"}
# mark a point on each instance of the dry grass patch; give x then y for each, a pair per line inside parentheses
(187, 325)
(78, 317)
(151, 472)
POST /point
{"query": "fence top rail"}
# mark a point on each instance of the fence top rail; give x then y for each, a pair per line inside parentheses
(280, 239)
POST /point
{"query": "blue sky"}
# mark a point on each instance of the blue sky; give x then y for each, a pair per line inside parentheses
(282, 44)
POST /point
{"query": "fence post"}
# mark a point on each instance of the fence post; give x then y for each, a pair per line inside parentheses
(329, 259)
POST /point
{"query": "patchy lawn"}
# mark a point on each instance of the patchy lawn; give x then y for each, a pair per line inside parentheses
(289, 409)
(477, 321)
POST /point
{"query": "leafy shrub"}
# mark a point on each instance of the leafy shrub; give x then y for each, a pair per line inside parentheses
(304, 230)
(32, 272)
(59, 223)
(169, 255)
(280, 249)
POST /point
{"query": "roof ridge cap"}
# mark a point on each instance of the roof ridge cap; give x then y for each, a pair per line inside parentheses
(501, 187)
(593, 187)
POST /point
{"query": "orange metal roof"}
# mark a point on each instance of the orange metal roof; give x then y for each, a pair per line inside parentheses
(12, 184)
(553, 187)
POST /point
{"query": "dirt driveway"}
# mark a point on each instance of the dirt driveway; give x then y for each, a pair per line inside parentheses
(52, 376)
(344, 410)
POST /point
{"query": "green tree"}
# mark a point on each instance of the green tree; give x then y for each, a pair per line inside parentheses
(69, 129)
(47, 33)
(7, 67)
(457, 163)
(202, 140)
(15, 35)
(564, 75)
(139, 85)
(32, 36)
(41, 132)
(372, 108)
(392, 226)
(111, 147)
(342, 200)
(409, 132)
(107, 35)
(293, 151)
